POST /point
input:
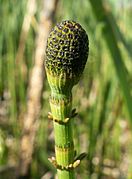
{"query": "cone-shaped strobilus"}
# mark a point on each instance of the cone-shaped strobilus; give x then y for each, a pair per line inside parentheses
(66, 55)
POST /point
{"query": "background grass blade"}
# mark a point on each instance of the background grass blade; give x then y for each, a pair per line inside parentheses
(102, 15)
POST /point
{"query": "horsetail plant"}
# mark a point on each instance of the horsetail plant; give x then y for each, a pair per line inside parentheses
(66, 56)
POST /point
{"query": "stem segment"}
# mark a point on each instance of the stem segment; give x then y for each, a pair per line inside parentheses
(61, 105)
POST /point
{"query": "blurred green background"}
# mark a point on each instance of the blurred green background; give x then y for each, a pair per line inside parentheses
(103, 98)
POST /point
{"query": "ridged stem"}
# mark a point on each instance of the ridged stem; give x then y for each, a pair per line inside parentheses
(61, 105)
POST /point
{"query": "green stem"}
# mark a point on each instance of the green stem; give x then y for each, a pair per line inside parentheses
(61, 105)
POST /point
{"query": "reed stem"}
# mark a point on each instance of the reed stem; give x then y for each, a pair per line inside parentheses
(64, 147)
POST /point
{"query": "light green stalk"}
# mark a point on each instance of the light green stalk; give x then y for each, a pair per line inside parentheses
(61, 105)
(66, 55)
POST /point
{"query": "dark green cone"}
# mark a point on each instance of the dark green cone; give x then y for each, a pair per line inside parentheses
(66, 53)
